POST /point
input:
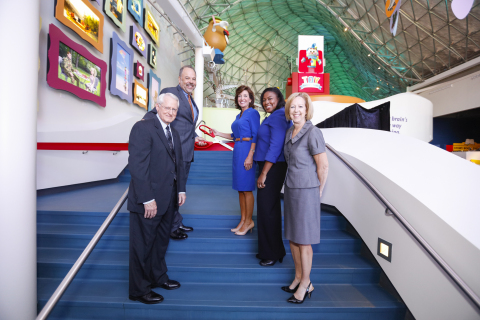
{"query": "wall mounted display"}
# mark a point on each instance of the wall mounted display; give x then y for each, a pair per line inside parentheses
(121, 68)
(71, 67)
(140, 95)
(152, 56)
(151, 25)
(138, 40)
(83, 18)
(154, 85)
(135, 7)
(115, 10)
(139, 71)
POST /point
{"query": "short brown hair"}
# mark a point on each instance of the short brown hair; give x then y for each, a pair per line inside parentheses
(308, 105)
(250, 94)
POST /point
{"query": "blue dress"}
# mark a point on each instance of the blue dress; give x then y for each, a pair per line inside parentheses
(244, 126)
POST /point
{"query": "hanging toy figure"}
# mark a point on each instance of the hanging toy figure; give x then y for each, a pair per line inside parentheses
(312, 55)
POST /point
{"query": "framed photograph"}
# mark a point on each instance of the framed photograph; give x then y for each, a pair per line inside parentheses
(83, 18)
(154, 85)
(151, 25)
(115, 10)
(139, 71)
(135, 7)
(152, 56)
(138, 40)
(140, 95)
(121, 68)
(71, 67)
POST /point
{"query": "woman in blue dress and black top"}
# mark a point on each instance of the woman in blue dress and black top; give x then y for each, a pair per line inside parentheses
(304, 150)
(245, 128)
(272, 168)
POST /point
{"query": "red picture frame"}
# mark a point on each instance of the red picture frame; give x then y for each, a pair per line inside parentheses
(75, 80)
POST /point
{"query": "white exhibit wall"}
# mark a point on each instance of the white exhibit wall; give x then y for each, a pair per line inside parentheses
(411, 175)
(410, 114)
(63, 117)
(454, 96)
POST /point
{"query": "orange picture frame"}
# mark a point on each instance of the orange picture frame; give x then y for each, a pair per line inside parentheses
(140, 95)
(83, 18)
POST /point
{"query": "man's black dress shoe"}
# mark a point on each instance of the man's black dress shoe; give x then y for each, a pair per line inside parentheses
(269, 263)
(150, 298)
(185, 228)
(178, 235)
(169, 285)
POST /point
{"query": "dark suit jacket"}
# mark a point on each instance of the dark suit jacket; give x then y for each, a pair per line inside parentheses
(151, 165)
(183, 123)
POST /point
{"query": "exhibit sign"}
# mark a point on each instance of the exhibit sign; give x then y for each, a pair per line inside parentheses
(311, 83)
(71, 67)
(83, 18)
(310, 54)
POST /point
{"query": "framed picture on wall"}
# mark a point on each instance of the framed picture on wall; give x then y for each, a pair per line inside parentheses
(151, 25)
(154, 86)
(71, 67)
(115, 10)
(139, 71)
(152, 56)
(83, 18)
(140, 95)
(135, 7)
(121, 68)
(138, 40)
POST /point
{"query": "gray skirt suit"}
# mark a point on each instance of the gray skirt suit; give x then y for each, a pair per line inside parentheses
(302, 187)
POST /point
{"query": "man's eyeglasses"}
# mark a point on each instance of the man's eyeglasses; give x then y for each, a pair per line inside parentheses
(174, 110)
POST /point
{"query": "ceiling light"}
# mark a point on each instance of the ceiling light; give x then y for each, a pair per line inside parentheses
(378, 88)
(379, 68)
(369, 54)
(346, 29)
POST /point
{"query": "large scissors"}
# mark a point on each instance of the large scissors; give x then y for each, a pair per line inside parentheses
(209, 132)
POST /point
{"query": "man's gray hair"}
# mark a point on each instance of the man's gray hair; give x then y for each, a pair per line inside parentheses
(161, 98)
(190, 67)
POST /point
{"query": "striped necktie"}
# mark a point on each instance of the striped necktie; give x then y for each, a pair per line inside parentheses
(191, 106)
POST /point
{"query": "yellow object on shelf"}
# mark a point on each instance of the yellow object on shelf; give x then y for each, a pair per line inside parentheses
(475, 161)
(465, 147)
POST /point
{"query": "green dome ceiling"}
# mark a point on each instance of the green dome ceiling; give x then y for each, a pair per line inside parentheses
(360, 52)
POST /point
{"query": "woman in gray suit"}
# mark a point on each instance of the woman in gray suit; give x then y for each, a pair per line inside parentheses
(304, 151)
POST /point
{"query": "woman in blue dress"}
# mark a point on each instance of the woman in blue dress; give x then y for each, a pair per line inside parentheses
(245, 128)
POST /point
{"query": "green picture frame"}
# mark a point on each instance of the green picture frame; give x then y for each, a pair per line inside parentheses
(151, 25)
(152, 56)
(118, 14)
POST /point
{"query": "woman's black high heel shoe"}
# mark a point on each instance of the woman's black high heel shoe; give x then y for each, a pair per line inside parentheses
(292, 299)
(287, 289)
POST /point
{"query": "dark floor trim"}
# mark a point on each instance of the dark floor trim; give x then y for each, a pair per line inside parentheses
(44, 192)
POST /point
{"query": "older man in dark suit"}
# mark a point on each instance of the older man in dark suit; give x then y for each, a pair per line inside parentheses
(156, 189)
(184, 123)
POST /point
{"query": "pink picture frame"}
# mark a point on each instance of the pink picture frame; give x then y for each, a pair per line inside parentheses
(85, 78)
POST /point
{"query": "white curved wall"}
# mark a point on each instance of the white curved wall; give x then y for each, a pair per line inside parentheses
(410, 114)
(433, 190)
(63, 117)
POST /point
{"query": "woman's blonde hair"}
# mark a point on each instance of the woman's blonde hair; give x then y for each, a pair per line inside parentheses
(94, 71)
(308, 105)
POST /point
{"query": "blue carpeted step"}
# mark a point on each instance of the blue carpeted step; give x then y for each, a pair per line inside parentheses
(203, 240)
(101, 299)
(328, 221)
(208, 267)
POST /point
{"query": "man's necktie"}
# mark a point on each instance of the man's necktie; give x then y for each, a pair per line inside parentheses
(191, 106)
(170, 144)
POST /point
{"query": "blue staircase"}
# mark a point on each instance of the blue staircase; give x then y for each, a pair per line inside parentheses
(220, 276)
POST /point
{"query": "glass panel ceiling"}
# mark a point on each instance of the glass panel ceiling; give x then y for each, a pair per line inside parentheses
(360, 52)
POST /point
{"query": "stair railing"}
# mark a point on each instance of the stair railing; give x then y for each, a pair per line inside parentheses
(62, 287)
(389, 207)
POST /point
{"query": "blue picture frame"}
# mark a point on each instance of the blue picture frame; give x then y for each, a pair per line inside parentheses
(121, 69)
(135, 7)
(138, 40)
(154, 87)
